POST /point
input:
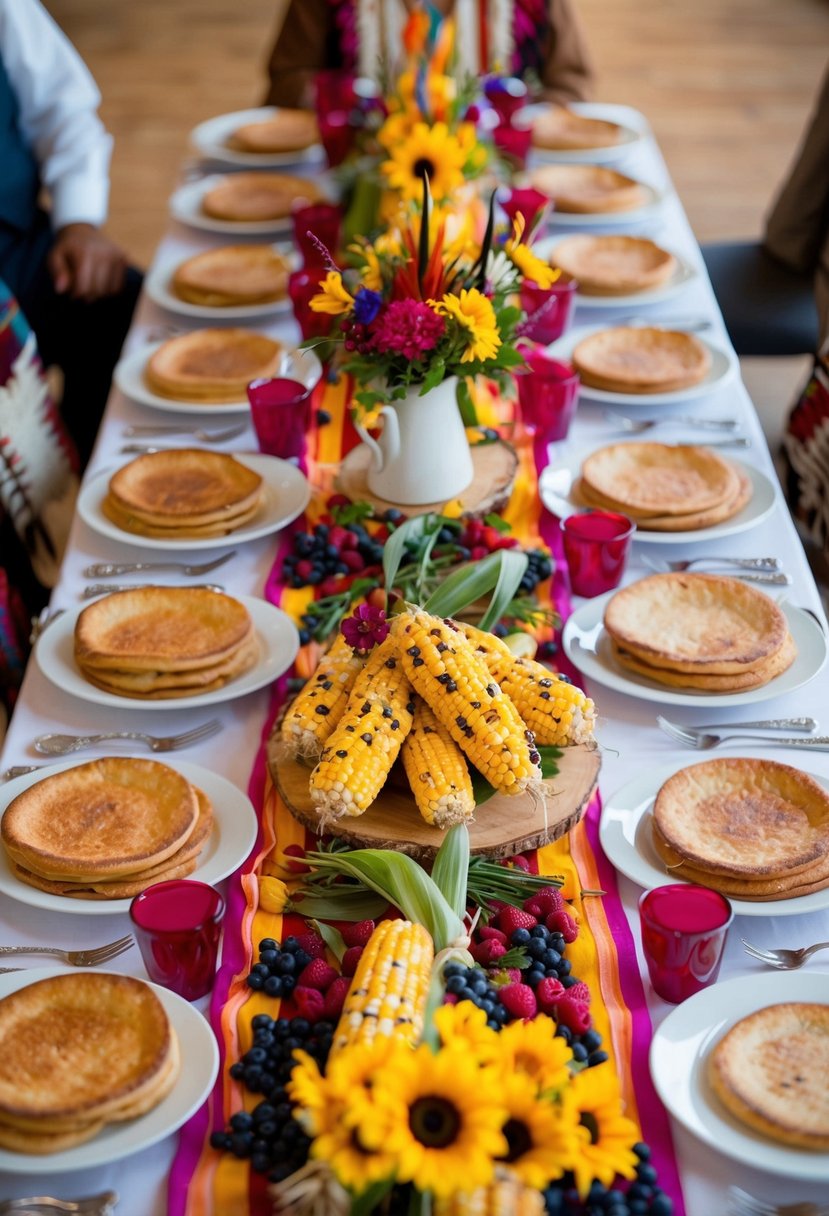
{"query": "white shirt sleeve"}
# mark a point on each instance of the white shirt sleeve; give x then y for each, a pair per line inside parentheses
(58, 102)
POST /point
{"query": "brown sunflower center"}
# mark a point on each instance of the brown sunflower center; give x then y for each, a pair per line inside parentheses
(518, 1138)
(423, 167)
(434, 1121)
(588, 1120)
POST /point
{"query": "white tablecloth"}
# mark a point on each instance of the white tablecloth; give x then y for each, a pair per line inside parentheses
(630, 739)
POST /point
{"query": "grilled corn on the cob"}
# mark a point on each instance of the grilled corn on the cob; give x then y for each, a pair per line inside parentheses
(437, 771)
(319, 705)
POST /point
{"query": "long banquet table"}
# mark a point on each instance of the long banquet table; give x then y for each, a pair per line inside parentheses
(631, 742)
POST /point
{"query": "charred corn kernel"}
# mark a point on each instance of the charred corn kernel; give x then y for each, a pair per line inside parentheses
(557, 712)
(506, 1196)
(455, 682)
(318, 707)
(436, 769)
(358, 755)
(387, 997)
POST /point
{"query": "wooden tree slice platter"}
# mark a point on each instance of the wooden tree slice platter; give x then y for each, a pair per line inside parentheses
(502, 826)
(495, 466)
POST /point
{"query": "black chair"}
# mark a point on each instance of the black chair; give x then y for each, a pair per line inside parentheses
(767, 308)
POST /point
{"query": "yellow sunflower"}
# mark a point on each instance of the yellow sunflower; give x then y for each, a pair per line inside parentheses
(609, 1151)
(356, 1165)
(522, 257)
(334, 298)
(307, 1088)
(531, 1048)
(372, 274)
(440, 1117)
(475, 313)
(428, 151)
(464, 1025)
(543, 1137)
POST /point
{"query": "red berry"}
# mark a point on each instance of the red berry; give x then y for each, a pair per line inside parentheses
(509, 975)
(487, 953)
(376, 598)
(303, 569)
(312, 944)
(478, 553)
(510, 919)
(549, 992)
(316, 975)
(351, 958)
(335, 998)
(579, 992)
(519, 1000)
(519, 862)
(310, 1003)
(353, 559)
(337, 500)
(450, 998)
(575, 1015)
(488, 934)
(336, 535)
(549, 899)
(358, 933)
(332, 585)
(491, 537)
(562, 922)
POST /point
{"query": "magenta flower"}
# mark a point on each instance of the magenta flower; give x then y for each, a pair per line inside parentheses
(408, 328)
(365, 628)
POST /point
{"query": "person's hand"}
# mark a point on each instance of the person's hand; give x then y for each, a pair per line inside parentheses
(86, 264)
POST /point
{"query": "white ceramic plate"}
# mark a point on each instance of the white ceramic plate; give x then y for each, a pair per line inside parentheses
(684, 274)
(210, 139)
(557, 482)
(186, 207)
(679, 1056)
(625, 834)
(608, 219)
(296, 364)
(587, 645)
(157, 287)
(275, 632)
(199, 1068)
(286, 494)
(234, 833)
(628, 138)
(722, 371)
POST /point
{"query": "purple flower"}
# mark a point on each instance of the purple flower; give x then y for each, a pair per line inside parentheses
(365, 628)
(367, 304)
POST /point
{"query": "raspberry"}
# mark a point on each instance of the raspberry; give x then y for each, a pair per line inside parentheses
(549, 992)
(510, 919)
(579, 992)
(544, 902)
(519, 862)
(488, 934)
(575, 1015)
(310, 1003)
(509, 975)
(335, 999)
(316, 975)
(351, 958)
(519, 1000)
(357, 934)
(562, 922)
(312, 944)
(487, 953)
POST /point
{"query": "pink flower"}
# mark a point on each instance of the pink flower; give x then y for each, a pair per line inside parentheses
(365, 628)
(408, 328)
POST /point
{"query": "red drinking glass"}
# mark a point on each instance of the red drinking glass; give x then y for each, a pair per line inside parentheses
(684, 929)
(281, 413)
(548, 393)
(337, 135)
(513, 143)
(302, 286)
(334, 89)
(507, 95)
(525, 199)
(177, 927)
(549, 309)
(596, 546)
(320, 220)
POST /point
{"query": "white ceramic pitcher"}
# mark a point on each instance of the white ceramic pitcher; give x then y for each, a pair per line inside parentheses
(422, 454)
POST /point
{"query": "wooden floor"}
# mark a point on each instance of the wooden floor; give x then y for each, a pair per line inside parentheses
(727, 85)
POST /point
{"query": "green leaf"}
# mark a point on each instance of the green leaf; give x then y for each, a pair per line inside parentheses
(496, 522)
(451, 867)
(423, 244)
(486, 244)
(465, 585)
(344, 904)
(369, 1201)
(514, 562)
(332, 938)
(434, 376)
(395, 546)
(352, 513)
(483, 791)
(469, 415)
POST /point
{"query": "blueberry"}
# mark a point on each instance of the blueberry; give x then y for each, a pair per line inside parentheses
(551, 958)
(564, 967)
(564, 1032)
(282, 1027)
(591, 1039)
(642, 1151)
(520, 937)
(240, 1144)
(579, 1053)
(260, 969)
(281, 1172)
(288, 984)
(456, 984)
(639, 1190)
(284, 964)
(646, 1173)
(536, 948)
(662, 1205)
(237, 1070)
(282, 1113)
(272, 986)
(323, 417)
(304, 636)
(540, 931)
(268, 943)
(454, 969)
(302, 958)
(219, 1140)
(256, 1055)
(256, 982)
(597, 1057)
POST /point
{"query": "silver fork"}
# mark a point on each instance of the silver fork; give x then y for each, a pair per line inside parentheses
(18, 770)
(42, 1205)
(809, 725)
(203, 436)
(770, 578)
(77, 958)
(637, 425)
(703, 742)
(64, 745)
(783, 960)
(742, 563)
(94, 589)
(109, 569)
(743, 1204)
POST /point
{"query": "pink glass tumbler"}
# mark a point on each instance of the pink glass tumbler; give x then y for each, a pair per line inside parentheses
(525, 199)
(177, 927)
(684, 929)
(549, 309)
(514, 144)
(316, 220)
(302, 286)
(337, 135)
(548, 393)
(596, 546)
(281, 413)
